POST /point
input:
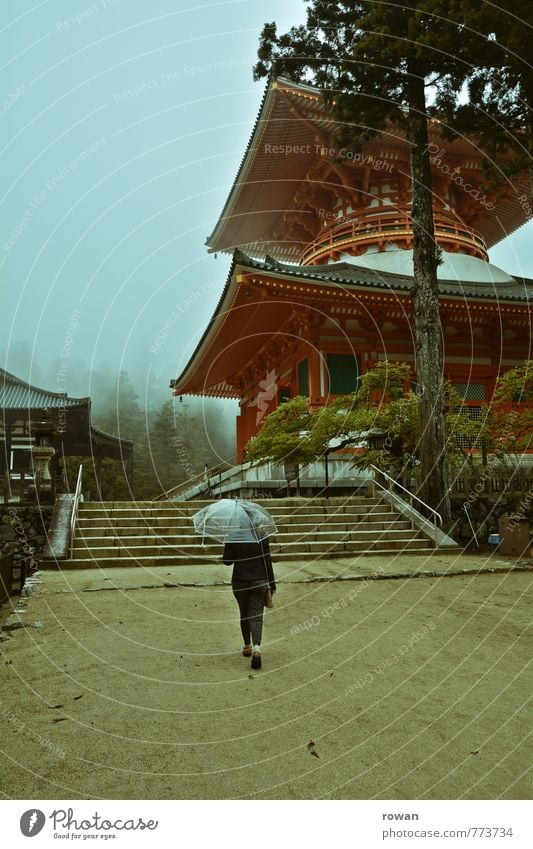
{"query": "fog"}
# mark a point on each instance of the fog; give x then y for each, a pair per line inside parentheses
(123, 126)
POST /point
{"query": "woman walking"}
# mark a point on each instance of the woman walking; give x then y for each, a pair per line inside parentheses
(252, 575)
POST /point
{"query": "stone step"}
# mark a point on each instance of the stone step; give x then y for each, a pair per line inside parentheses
(163, 531)
(376, 521)
(414, 547)
(87, 520)
(279, 539)
(302, 546)
(187, 510)
(291, 502)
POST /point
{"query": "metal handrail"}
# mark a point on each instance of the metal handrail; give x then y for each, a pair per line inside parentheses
(467, 514)
(190, 482)
(410, 494)
(75, 505)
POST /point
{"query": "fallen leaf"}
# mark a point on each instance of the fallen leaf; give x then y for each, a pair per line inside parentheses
(310, 745)
(51, 707)
(60, 719)
(78, 697)
(315, 754)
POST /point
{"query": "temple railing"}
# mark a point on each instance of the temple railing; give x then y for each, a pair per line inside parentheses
(15, 486)
(485, 480)
(381, 477)
(376, 227)
(74, 517)
(197, 480)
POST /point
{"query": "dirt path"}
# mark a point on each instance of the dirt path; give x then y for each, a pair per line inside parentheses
(407, 689)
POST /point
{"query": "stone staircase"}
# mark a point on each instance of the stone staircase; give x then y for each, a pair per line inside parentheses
(149, 533)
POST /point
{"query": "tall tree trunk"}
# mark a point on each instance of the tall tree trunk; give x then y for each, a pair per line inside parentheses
(428, 330)
(528, 98)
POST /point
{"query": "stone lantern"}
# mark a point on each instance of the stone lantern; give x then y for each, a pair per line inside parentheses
(376, 438)
(42, 452)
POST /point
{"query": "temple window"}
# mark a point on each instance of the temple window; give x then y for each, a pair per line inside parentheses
(303, 378)
(471, 391)
(475, 414)
(343, 373)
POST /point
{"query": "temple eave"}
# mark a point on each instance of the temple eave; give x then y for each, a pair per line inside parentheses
(292, 174)
(185, 388)
(276, 308)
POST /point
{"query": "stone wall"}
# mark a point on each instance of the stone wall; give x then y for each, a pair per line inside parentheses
(484, 513)
(23, 530)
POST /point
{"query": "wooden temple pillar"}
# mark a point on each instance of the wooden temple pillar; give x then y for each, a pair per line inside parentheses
(246, 428)
(6, 457)
(315, 389)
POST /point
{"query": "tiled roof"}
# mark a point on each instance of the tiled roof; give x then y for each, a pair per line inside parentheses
(347, 273)
(16, 394)
(102, 436)
(269, 185)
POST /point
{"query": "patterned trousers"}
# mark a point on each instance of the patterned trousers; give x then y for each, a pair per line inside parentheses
(250, 597)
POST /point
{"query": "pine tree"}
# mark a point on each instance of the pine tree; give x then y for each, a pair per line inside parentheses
(121, 415)
(162, 446)
(495, 43)
(374, 63)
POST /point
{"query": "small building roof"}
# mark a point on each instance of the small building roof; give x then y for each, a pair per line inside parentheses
(17, 394)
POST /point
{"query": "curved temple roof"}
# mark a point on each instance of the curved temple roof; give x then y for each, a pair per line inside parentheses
(241, 323)
(291, 153)
(17, 395)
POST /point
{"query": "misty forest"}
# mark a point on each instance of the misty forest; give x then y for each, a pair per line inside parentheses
(174, 439)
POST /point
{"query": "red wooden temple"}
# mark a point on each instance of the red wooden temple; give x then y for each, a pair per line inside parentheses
(320, 285)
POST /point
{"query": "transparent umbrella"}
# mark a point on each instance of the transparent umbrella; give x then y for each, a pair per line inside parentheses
(235, 520)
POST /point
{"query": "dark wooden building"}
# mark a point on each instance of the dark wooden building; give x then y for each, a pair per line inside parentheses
(31, 416)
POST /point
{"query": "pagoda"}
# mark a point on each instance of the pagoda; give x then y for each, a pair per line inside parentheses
(319, 289)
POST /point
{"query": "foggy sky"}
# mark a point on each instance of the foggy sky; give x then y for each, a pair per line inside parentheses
(123, 126)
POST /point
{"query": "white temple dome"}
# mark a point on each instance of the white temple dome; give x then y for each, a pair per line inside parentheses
(456, 266)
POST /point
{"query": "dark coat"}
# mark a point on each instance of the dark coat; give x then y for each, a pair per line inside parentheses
(250, 560)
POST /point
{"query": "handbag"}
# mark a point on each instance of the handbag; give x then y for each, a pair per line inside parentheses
(268, 600)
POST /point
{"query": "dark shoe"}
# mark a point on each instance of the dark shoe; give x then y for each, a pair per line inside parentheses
(256, 660)
(247, 651)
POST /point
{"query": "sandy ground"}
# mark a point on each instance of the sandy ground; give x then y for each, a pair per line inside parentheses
(391, 689)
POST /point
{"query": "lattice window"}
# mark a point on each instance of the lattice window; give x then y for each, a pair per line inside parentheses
(475, 414)
(471, 391)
